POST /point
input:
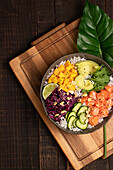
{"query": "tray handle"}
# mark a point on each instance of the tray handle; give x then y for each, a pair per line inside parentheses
(48, 34)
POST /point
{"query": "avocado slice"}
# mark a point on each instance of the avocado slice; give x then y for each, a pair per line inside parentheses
(83, 84)
(87, 67)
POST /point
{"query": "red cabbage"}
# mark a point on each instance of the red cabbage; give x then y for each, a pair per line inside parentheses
(58, 103)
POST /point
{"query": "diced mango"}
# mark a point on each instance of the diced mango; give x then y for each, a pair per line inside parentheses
(53, 76)
(63, 87)
(56, 71)
(73, 70)
(76, 72)
(72, 75)
(66, 81)
(55, 80)
(60, 81)
(71, 79)
(69, 67)
(71, 86)
(61, 68)
(49, 80)
(67, 63)
(66, 73)
(61, 74)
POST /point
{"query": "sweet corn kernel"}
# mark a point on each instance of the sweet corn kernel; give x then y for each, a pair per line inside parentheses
(84, 94)
(89, 99)
(63, 111)
(56, 115)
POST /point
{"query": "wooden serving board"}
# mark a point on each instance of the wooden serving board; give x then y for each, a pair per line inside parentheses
(30, 67)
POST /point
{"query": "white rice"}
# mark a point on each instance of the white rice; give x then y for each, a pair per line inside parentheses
(63, 123)
(111, 81)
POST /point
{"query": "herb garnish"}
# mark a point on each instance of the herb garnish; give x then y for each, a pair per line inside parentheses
(100, 78)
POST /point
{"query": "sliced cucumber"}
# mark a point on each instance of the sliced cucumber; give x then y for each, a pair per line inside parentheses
(70, 122)
(74, 122)
(67, 115)
(82, 110)
(80, 125)
(83, 118)
(76, 107)
(71, 114)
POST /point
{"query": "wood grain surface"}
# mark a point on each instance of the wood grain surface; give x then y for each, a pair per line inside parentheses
(25, 141)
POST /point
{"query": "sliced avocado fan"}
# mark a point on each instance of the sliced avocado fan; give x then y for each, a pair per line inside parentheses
(83, 84)
(87, 67)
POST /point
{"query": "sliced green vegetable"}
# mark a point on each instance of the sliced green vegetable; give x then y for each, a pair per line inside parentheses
(70, 122)
(71, 114)
(80, 125)
(82, 110)
(83, 119)
(74, 122)
(67, 115)
(76, 107)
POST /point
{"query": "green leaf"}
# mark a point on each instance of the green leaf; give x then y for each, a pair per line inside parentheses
(96, 33)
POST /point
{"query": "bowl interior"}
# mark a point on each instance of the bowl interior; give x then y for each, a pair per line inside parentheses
(67, 57)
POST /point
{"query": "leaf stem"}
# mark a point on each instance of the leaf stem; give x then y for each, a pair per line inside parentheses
(105, 142)
(101, 55)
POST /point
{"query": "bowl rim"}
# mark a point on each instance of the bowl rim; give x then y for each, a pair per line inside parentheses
(81, 55)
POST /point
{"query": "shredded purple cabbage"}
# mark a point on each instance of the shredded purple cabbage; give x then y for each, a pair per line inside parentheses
(58, 103)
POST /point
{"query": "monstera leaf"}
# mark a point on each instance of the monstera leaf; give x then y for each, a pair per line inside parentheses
(96, 33)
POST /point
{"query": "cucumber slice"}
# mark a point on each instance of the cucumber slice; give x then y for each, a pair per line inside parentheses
(70, 122)
(82, 109)
(74, 122)
(83, 118)
(76, 107)
(80, 125)
(67, 115)
(71, 114)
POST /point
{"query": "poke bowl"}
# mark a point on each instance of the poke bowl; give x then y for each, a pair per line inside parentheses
(77, 93)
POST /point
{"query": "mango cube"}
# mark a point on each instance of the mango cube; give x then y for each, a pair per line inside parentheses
(60, 81)
(66, 81)
(56, 71)
(61, 75)
(69, 67)
(55, 80)
(50, 80)
(61, 68)
(73, 70)
(66, 73)
(67, 63)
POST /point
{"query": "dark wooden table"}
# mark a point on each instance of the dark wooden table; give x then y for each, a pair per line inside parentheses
(25, 141)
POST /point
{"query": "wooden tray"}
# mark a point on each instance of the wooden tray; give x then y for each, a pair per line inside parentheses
(30, 67)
